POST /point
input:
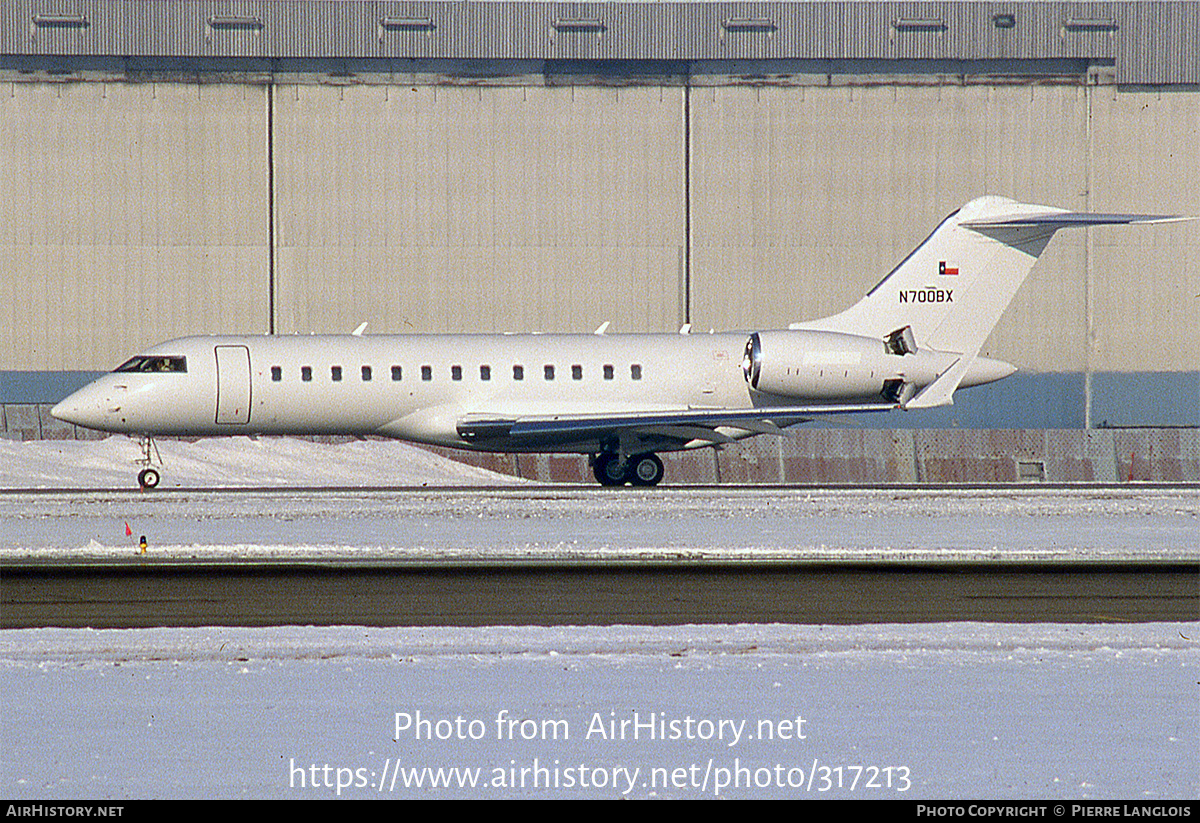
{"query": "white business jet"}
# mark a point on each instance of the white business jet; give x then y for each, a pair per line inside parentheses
(910, 343)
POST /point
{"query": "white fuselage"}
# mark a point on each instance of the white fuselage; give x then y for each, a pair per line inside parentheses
(412, 387)
(420, 387)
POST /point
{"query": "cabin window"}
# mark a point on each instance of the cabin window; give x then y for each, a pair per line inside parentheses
(577, 372)
(485, 372)
(608, 371)
(276, 373)
(396, 373)
(635, 371)
(456, 372)
(306, 373)
(156, 363)
(366, 374)
(335, 373)
(518, 372)
(427, 373)
(548, 370)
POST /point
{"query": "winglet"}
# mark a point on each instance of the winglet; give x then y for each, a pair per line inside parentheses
(603, 328)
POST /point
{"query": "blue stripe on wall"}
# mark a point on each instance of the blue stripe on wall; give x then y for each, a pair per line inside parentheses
(1122, 399)
(1054, 401)
(1022, 401)
(42, 386)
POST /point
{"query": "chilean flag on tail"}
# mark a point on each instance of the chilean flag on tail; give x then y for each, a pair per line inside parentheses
(944, 269)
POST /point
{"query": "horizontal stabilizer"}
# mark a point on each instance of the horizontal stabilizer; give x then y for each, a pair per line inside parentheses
(1068, 219)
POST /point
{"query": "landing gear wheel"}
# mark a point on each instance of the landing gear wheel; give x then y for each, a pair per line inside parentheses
(608, 469)
(148, 477)
(645, 470)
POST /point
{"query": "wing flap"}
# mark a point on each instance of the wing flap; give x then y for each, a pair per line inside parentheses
(683, 424)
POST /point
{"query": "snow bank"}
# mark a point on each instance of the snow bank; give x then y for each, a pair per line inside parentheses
(233, 461)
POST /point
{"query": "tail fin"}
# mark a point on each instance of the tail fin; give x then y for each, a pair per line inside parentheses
(953, 288)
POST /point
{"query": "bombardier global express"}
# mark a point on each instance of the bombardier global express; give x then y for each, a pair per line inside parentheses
(620, 398)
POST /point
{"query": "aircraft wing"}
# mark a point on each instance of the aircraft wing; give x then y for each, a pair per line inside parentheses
(685, 425)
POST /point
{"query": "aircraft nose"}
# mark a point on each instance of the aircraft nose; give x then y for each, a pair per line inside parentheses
(69, 410)
(83, 408)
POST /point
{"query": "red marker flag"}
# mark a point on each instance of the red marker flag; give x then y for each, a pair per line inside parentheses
(128, 531)
(944, 269)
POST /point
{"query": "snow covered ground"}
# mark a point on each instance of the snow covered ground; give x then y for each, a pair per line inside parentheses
(523, 521)
(964, 710)
(233, 461)
(666, 524)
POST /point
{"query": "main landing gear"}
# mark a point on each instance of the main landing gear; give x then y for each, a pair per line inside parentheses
(639, 470)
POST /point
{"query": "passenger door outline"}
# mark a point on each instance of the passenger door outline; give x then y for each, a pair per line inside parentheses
(233, 385)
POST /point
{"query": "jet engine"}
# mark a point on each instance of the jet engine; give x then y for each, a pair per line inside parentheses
(833, 367)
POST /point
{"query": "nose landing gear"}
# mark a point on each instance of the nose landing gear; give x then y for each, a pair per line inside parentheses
(639, 470)
(149, 476)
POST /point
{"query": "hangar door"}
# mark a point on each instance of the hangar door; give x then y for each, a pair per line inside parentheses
(233, 384)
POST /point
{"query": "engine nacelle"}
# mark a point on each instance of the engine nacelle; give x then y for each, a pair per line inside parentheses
(829, 366)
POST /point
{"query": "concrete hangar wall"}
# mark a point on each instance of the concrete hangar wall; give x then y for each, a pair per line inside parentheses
(305, 166)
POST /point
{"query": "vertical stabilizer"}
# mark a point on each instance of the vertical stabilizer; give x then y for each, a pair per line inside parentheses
(953, 288)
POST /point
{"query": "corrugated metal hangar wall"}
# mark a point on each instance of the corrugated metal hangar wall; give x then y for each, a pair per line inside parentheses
(192, 167)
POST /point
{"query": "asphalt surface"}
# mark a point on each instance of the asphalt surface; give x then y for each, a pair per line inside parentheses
(591, 594)
(572, 555)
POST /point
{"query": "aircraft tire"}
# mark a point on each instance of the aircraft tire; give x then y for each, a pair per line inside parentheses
(608, 470)
(645, 470)
(148, 478)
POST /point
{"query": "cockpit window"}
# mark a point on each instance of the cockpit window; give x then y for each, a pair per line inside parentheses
(154, 363)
